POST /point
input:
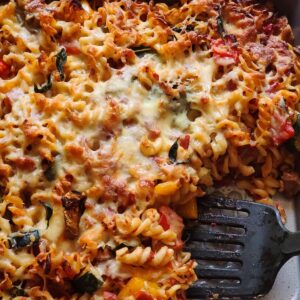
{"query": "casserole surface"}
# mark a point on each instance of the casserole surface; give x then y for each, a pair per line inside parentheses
(115, 117)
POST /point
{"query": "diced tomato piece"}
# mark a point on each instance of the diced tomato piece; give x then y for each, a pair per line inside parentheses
(224, 49)
(286, 131)
(174, 222)
(282, 129)
(109, 296)
(163, 221)
(142, 295)
(184, 142)
(72, 48)
(4, 69)
(224, 52)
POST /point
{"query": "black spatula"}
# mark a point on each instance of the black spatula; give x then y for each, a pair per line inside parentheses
(239, 246)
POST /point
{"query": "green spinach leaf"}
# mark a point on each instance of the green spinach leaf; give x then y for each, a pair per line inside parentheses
(87, 283)
(61, 59)
(141, 50)
(173, 152)
(23, 239)
(17, 292)
(45, 87)
(220, 26)
(49, 169)
(49, 211)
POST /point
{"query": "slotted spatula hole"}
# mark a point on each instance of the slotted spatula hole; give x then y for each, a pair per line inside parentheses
(218, 282)
(236, 247)
(205, 263)
(222, 228)
(227, 212)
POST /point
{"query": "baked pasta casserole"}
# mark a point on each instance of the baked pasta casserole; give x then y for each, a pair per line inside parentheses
(115, 116)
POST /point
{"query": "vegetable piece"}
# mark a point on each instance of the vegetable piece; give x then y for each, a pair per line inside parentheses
(286, 131)
(4, 69)
(50, 173)
(45, 263)
(109, 296)
(49, 169)
(17, 292)
(124, 244)
(40, 247)
(87, 283)
(44, 88)
(174, 221)
(225, 52)
(73, 203)
(189, 210)
(173, 152)
(294, 143)
(268, 28)
(72, 48)
(291, 183)
(177, 29)
(166, 188)
(49, 211)
(29, 21)
(164, 222)
(136, 284)
(61, 59)
(183, 162)
(282, 129)
(140, 51)
(220, 26)
(23, 239)
(189, 27)
(142, 295)
(185, 141)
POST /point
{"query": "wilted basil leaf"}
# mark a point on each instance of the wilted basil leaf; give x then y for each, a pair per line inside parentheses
(61, 59)
(45, 87)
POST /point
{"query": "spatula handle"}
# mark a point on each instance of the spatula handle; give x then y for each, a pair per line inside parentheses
(291, 244)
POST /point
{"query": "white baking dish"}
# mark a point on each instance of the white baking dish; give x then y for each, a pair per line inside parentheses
(287, 284)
